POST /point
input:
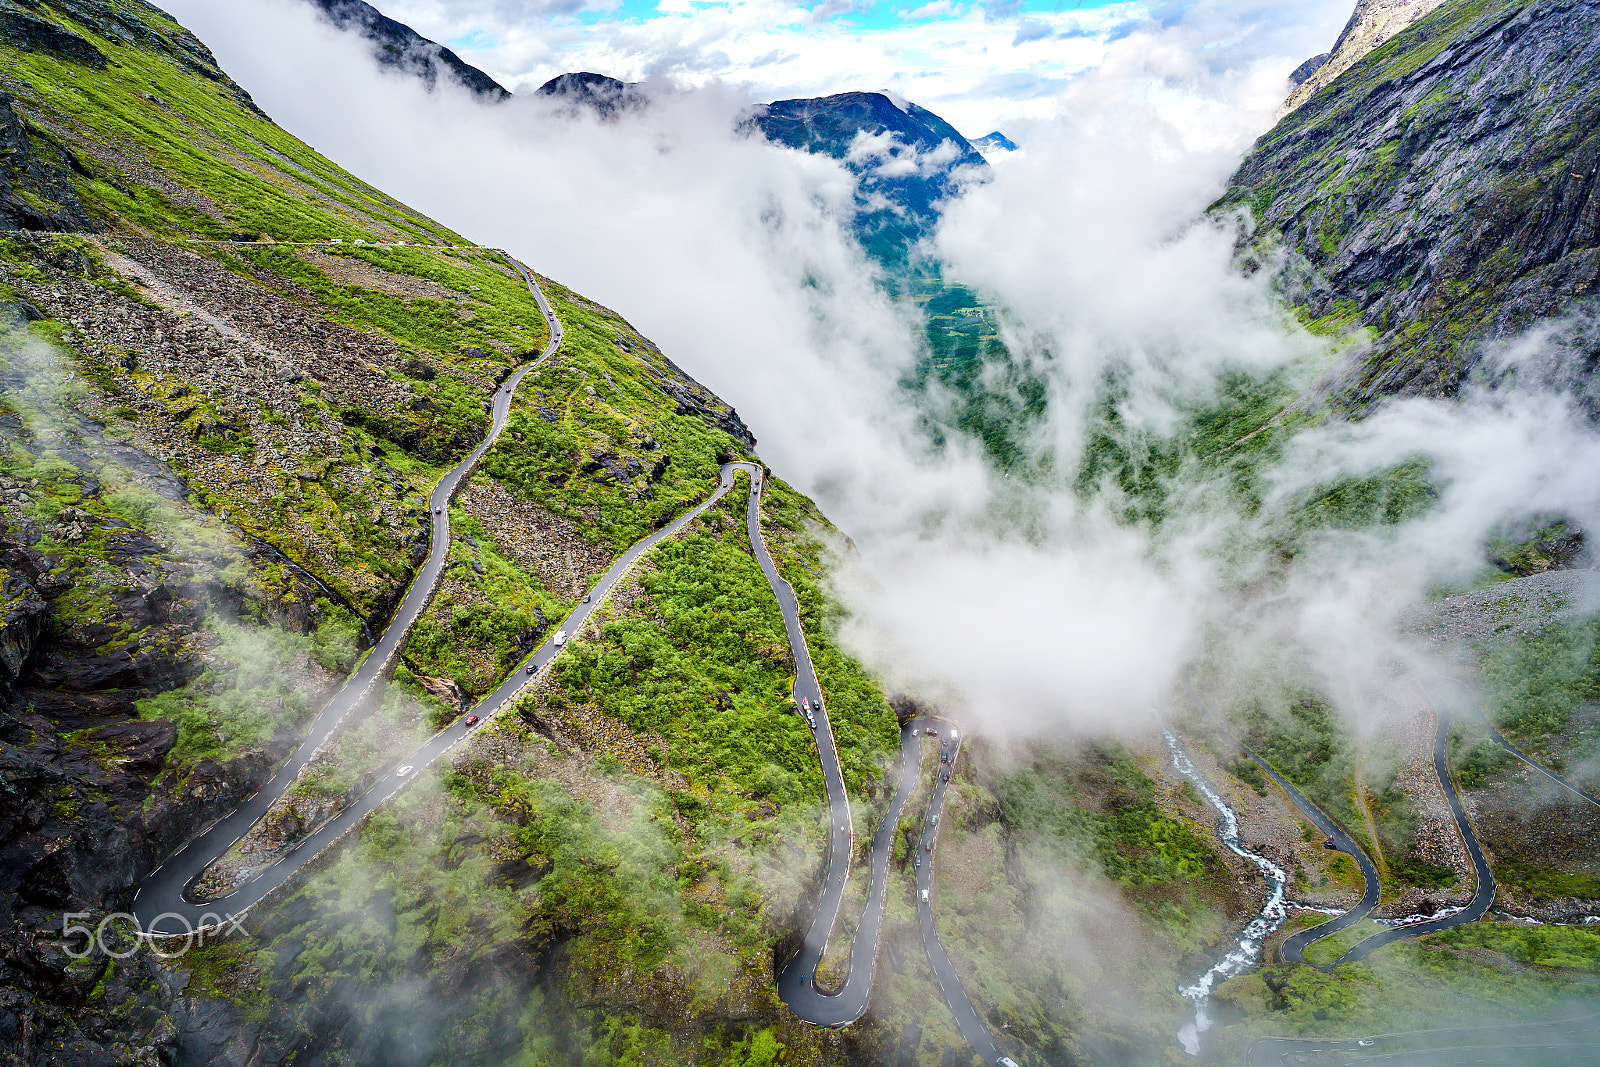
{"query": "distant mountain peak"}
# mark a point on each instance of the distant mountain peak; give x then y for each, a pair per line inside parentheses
(604, 95)
(994, 142)
(876, 134)
(397, 45)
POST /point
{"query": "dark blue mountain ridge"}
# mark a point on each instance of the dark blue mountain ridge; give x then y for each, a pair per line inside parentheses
(876, 135)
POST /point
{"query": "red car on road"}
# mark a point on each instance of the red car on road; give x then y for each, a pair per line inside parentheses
(472, 720)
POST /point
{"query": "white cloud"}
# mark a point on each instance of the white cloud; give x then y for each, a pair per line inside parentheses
(1038, 609)
(968, 63)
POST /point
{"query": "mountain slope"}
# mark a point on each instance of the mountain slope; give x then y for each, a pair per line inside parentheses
(218, 441)
(1443, 191)
(397, 45)
(1371, 23)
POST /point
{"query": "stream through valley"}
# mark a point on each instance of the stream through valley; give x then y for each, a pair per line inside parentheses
(1246, 950)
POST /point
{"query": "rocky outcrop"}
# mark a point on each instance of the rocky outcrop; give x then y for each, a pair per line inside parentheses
(1300, 74)
(36, 191)
(1447, 188)
(1371, 24)
(22, 619)
(30, 33)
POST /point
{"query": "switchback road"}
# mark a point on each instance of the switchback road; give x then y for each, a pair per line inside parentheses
(1483, 895)
(1294, 947)
(163, 904)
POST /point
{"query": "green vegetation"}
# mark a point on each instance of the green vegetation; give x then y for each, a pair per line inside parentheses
(1546, 881)
(601, 400)
(478, 641)
(1133, 842)
(150, 103)
(990, 398)
(1537, 683)
(1475, 762)
(491, 301)
(252, 692)
(1307, 743)
(1436, 981)
(1333, 946)
(708, 667)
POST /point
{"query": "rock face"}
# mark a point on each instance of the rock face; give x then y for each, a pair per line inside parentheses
(605, 96)
(397, 45)
(29, 33)
(1371, 24)
(1300, 74)
(907, 160)
(36, 190)
(1445, 188)
(22, 618)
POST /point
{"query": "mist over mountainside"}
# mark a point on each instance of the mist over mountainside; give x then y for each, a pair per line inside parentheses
(399, 46)
(1108, 506)
(906, 160)
(995, 141)
(601, 94)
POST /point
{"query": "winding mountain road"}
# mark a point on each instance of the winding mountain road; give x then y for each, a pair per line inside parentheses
(1483, 894)
(1294, 947)
(163, 906)
(1497, 738)
(797, 980)
(955, 994)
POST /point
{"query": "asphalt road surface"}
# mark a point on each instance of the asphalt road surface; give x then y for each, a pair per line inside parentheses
(797, 981)
(1483, 896)
(1294, 947)
(162, 905)
(1495, 736)
(944, 972)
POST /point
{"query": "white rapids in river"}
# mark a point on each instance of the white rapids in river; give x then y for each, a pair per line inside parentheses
(1247, 949)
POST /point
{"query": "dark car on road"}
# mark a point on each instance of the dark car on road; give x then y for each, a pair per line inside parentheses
(945, 777)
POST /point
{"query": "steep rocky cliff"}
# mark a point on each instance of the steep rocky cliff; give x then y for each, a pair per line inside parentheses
(1444, 192)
